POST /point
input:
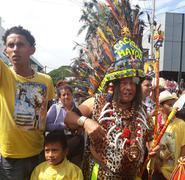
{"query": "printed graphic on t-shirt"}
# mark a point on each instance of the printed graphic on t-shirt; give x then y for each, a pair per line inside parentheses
(30, 105)
(167, 148)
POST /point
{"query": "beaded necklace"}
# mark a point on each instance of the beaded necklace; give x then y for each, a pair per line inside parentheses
(125, 121)
(123, 149)
(124, 128)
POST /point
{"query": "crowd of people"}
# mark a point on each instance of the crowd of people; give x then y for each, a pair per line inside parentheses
(47, 135)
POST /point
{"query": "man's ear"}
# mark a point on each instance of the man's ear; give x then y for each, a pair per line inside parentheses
(32, 51)
(5, 53)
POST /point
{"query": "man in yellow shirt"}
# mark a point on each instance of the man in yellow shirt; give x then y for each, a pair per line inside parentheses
(56, 166)
(24, 96)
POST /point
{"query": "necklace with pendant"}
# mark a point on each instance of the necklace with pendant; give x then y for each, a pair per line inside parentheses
(127, 130)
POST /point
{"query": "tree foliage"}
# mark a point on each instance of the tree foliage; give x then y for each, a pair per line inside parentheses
(61, 73)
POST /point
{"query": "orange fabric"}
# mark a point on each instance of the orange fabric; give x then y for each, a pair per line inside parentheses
(179, 171)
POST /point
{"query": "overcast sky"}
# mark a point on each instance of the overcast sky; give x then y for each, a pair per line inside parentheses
(55, 24)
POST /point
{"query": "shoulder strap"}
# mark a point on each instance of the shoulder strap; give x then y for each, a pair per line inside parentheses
(58, 108)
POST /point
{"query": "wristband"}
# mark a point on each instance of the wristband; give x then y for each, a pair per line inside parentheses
(81, 120)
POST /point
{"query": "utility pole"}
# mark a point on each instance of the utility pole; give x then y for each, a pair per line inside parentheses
(152, 31)
(181, 55)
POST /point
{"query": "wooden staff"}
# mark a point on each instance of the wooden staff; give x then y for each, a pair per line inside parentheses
(157, 45)
(159, 41)
(157, 91)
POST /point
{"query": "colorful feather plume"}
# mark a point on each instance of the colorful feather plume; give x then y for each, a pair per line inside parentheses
(106, 23)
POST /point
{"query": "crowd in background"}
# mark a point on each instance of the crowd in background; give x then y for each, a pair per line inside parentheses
(47, 133)
(169, 93)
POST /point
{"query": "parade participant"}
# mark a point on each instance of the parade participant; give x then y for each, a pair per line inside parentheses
(115, 118)
(146, 87)
(24, 95)
(56, 165)
(55, 121)
(172, 144)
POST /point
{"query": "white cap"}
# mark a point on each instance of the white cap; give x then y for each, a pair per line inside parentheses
(166, 95)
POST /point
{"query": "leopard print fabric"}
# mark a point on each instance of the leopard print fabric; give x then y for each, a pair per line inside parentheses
(117, 165)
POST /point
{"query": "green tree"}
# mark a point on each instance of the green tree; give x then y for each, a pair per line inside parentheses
(61, 73)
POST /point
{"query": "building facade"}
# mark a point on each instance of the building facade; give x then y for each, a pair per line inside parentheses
(172, 54)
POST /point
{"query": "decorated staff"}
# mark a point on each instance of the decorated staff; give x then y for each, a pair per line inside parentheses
(158, 38)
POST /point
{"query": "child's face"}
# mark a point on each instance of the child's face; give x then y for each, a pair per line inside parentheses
(54, 153)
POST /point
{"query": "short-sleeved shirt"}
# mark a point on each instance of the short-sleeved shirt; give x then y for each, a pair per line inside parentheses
(23, 108)
(63, 171)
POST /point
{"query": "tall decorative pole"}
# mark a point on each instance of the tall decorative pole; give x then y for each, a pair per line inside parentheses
(158, 39)
(152, 30)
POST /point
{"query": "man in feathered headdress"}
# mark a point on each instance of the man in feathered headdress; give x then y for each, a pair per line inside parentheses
(114, 119)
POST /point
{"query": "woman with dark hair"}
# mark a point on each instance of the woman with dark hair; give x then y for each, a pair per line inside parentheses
(57, 112)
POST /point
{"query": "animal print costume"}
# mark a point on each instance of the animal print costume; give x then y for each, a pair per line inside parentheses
(122, 152)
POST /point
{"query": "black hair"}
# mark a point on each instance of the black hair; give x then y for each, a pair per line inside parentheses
(136, 102)
(147, 77)
(21, 31)
(56, 137)
(66, 87)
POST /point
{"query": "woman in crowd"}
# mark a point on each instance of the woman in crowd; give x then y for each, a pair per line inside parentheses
(57, 112)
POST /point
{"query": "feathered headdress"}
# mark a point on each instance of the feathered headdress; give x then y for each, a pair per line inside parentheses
(114, 38)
